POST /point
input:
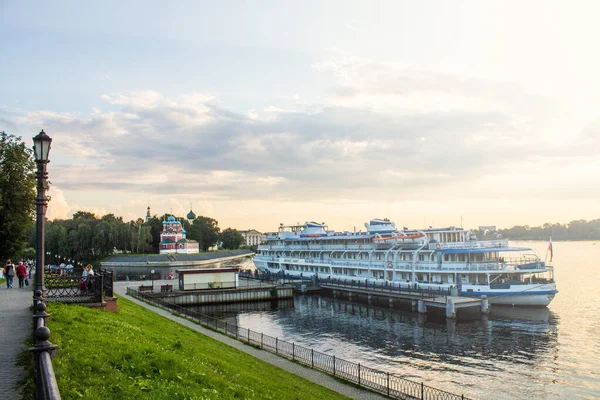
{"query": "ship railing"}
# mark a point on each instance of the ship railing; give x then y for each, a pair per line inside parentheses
(478, 244)
(385, 287)
(310, 247)
(420, 266)
(386, 383)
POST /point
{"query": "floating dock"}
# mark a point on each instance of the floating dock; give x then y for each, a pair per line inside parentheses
(247, 291)
(421, 300)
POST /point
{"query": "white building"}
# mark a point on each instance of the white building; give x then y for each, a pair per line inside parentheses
(253, 237)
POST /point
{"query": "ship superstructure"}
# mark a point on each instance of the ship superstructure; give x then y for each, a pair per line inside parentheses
(429, 258)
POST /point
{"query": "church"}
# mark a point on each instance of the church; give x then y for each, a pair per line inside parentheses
(173, 240)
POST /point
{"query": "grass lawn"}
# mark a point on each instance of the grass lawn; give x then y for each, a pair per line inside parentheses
(2, 280)
(136, 354)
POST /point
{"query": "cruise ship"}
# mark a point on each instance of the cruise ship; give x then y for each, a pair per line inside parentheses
(429, 259)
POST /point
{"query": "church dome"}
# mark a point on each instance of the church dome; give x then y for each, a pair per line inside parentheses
(171, 219)
(191, 215)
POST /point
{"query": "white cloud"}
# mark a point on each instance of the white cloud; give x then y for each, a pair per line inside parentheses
(388, 132)
(58, 208)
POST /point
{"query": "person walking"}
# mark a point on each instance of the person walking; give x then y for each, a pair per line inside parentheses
(84, 276)
(21, 274)
(90, 279)
(9, 272)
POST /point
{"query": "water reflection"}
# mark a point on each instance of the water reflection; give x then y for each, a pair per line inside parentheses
(388, 338)
(537, 353)
(524, 313)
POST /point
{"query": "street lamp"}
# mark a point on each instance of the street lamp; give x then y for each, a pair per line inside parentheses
(41, 333)
(41, 148)
(152, 278)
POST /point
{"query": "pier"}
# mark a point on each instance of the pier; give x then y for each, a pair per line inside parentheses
(421, 300)
(247, 291)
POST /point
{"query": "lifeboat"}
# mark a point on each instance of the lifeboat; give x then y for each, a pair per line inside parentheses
(399, 237)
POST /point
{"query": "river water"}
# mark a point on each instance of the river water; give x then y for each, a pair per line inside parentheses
(514, 353)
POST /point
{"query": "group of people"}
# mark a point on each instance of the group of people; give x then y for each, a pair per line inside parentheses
(85, 281)
(21, 271)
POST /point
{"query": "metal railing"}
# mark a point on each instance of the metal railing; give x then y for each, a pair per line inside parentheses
(382, 382)
(64, 288)
(476, 244)
(363, 283)
(46, 386)
(75, 289)
(382, 288)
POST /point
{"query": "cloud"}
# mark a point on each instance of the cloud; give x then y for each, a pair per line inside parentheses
(58, 208)
(386, 131)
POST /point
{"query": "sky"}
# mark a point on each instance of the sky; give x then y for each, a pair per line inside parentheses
(256, 113)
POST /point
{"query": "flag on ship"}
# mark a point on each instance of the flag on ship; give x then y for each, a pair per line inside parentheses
(550, 249)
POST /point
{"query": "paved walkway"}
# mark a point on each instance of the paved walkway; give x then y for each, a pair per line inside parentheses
(16, 324)
(305, 372)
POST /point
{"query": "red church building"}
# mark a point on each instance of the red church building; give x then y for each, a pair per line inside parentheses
(173, 240)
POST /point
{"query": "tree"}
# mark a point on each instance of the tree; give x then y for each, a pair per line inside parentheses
(205, 231)
(86, 215)
(17, 194)
(141, 236)
(155, 225)
(231, 239)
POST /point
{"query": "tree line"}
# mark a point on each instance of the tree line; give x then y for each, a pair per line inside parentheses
(574, 230)
(87, 238)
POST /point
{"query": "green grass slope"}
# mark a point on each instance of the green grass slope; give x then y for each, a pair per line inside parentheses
(136, 354)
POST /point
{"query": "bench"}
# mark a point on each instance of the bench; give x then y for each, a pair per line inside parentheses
(166, 288)
(146, 289)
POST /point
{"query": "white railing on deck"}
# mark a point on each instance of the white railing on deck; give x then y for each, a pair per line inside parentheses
(479, 244)
(312, 247)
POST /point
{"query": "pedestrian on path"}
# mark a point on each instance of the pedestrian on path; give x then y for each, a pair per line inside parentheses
(84, 276)
(21, 274)
(9, 272)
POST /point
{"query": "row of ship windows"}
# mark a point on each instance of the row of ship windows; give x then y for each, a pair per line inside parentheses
(405, 257)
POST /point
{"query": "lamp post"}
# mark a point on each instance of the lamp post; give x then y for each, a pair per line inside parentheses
(45, 380)
(41, 148)
(152, 278)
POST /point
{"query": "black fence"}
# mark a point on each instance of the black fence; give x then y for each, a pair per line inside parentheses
(46, 387)
(76, 289)
(420, 292)
(400, 288)
(382, 382)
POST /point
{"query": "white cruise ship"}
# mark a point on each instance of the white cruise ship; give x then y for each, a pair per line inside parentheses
(429, 259)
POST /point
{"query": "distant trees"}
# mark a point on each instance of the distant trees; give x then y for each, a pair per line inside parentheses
(574, 230)
(17, 194)
(86, 238)
(155, 225)
(205, 231)
(231, 239)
